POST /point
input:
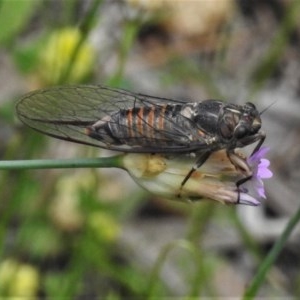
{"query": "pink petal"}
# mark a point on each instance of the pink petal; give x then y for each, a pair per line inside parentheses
(248, 200)
(264, 163)
(266, 173)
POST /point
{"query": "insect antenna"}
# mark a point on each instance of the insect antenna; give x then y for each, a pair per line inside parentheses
(265, 109)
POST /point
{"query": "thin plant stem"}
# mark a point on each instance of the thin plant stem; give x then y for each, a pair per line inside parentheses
(103, 162)
(85, 29)
(128, 37)
(158, 265)
(198, 223)
(258, 279)
(277, 47)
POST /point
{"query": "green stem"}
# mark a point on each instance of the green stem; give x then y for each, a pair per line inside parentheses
(270, 259)
(85, 29)
(103, 162)
(129, 34)
(277, 47)
(154, 280)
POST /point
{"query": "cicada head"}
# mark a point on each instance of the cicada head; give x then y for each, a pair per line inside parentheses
(240, 123)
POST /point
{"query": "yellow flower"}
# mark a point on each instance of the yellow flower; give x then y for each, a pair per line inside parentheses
(8, 269)
(26, 281)
(57, 54)
(18, 280)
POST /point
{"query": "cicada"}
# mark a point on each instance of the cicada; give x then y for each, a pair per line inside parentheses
(120, 120)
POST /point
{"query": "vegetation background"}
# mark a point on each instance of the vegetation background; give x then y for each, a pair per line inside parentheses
(93, 232)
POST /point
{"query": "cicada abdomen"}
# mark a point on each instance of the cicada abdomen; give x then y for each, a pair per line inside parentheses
(153, 127)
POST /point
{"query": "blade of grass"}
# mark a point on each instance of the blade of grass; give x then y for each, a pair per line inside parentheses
(277, 47)
(130, 30)
(154, 278)
(259, 277)
(85, 29)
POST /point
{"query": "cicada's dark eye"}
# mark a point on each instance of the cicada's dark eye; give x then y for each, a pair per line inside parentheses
(250, 105)
(250, 109)
(240, 131)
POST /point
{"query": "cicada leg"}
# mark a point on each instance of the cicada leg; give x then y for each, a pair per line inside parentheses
(200, 161)
(261, 139)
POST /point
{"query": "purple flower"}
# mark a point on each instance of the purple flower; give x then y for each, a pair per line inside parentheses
(252, 191)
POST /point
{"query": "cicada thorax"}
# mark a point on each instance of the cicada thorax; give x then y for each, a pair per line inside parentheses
(155, 125)
(228, 120)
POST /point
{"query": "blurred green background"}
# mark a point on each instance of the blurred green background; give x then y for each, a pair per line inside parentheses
(94, 233)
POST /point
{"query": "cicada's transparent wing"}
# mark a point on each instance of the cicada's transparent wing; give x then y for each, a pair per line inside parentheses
(66, 112)
(63, 112)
